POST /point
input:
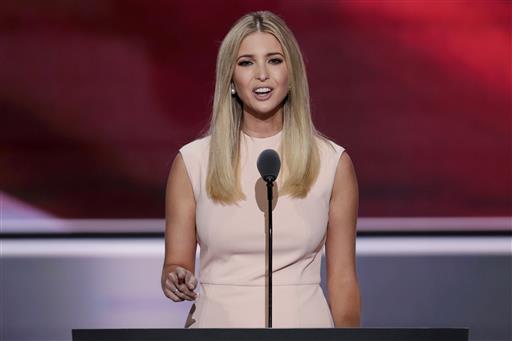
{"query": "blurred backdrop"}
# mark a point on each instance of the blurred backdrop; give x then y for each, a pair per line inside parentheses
(96, 97)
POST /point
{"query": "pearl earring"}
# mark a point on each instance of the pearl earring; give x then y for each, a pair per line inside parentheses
(233, 91)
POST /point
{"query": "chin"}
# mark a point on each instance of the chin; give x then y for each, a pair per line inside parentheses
(265, 111)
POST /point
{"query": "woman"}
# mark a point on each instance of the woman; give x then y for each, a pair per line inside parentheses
(215, 197)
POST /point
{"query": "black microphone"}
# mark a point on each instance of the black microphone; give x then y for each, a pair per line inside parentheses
(269, 165)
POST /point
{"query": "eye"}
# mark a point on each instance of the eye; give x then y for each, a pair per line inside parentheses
(244, 62)
(275, 61)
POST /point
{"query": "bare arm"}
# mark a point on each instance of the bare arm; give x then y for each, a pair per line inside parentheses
(342, 285)
(180, 234)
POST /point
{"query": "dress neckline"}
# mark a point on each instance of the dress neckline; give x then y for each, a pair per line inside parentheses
(263, 139)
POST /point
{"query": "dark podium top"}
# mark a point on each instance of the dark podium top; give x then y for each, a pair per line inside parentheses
(250, 334)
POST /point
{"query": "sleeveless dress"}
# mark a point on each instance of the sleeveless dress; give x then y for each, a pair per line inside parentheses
(232, 239)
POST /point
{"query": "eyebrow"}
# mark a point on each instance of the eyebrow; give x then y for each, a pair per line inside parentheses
(267, 55)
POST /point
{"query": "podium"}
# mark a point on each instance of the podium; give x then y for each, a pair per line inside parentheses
(274, 334)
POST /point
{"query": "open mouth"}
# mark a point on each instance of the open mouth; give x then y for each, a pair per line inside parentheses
(262, 92)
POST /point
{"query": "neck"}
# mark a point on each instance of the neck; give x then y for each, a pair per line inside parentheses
(262, 126)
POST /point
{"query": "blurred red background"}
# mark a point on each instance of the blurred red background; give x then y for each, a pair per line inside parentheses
(96, 97)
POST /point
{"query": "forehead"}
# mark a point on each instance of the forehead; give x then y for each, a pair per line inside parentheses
(259, 43)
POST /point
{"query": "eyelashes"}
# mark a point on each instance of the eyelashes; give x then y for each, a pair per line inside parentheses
(244, 63)
(274, 61)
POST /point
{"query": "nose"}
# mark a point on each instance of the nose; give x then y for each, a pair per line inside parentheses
(261, 73)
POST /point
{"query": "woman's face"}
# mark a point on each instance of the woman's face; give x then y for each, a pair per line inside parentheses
(261, 74)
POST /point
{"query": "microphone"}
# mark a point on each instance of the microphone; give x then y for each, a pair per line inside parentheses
(269, 165)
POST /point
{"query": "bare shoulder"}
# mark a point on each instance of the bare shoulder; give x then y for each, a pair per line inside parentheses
(178, 168)
(178, 164)
(345, 161)
(345, 168)
(178, 183)
(345, 178)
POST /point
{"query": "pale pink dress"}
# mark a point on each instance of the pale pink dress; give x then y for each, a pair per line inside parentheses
(232, 240)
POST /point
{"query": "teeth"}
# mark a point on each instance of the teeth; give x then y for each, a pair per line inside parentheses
(262, 90)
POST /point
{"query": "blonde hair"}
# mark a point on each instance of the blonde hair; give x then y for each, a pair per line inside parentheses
(299, 151)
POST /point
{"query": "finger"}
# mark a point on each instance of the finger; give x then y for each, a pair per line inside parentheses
(185, 292)
(189, 294)
(172, 295)
(170, 292)
(190, 280)
(178, 292)
(173, 277)
(182, 290)
(181, 273)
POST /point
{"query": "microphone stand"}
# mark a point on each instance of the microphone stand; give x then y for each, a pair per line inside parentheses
(268, 165)
(269, 198)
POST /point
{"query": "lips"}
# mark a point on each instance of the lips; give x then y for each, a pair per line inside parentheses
(262, 93)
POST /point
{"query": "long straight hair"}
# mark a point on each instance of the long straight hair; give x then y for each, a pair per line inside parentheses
(299, 149)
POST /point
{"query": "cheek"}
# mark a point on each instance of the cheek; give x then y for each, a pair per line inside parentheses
(285, 82)
(283, 78)
(240, 79)
(285, 87)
